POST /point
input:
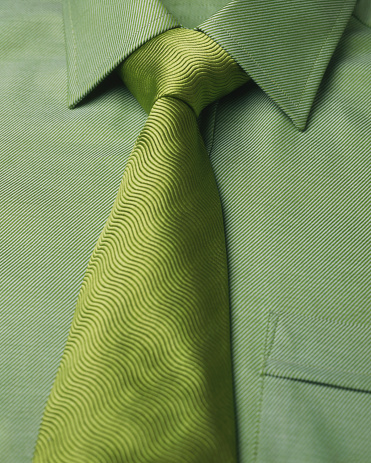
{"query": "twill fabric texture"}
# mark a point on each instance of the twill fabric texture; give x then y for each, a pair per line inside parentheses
(146, 373)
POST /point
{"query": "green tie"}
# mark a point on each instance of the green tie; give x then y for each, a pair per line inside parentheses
(146, 373)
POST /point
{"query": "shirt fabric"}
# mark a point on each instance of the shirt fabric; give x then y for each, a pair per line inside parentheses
(291, 155)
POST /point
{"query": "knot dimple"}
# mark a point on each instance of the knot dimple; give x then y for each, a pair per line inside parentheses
(184, 64)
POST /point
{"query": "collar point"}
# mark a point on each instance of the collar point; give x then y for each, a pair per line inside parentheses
(300, 123)
(298, 116)
(73, 102)
(75, 94)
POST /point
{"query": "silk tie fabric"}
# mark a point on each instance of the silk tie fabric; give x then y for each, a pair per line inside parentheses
(146, 373)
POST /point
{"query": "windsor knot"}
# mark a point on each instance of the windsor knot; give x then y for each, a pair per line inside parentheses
(183, 64)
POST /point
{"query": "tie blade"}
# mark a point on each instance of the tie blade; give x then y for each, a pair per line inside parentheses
(146, 373)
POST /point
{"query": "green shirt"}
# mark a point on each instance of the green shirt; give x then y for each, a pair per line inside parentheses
(291, 154)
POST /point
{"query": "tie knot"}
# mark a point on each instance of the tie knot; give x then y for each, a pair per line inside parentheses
(184, 64)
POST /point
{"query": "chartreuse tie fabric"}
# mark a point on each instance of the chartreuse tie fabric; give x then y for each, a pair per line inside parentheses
(146, 372)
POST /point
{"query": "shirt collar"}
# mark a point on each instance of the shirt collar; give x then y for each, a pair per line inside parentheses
(284, 45)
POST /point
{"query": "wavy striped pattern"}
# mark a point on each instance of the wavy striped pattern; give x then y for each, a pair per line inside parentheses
(184, 64)
(146, 373)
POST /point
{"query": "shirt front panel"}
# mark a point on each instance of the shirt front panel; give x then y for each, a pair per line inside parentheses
(297, 216)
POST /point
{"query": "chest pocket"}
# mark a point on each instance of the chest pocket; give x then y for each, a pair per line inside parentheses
(316, 404)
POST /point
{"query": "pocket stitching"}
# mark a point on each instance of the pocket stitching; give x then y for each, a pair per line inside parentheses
(315, 369)
(266, 352)
(336, 370)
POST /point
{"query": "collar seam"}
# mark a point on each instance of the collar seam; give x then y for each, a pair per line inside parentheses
(107, 60)
(295, 105)
(73, 41)
(256, 62)
(321, 50)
